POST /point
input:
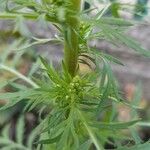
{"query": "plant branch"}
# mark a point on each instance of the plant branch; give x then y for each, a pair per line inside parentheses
(34, 16)
(21, 76)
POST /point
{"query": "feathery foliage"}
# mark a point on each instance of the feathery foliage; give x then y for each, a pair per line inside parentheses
(7, 143)
(81, 107)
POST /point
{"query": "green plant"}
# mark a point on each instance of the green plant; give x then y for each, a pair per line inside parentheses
(81, 107)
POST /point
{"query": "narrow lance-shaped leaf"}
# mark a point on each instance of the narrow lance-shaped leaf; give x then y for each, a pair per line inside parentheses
(114, 126)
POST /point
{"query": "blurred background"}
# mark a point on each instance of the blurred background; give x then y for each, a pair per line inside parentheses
(17, 53)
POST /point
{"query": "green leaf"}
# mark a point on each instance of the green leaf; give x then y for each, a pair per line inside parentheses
(11, 104)
(144, 146)
(115, 6)
(21, 27)
(53, 75)
(91, 133)
(86, 145)
(21, 94)
(115, 21)
(108, 57)
(135, 135)
(17, 86)
(15, 97)
(50, 141)
(114, 126)
(20, 130)
(6, 131)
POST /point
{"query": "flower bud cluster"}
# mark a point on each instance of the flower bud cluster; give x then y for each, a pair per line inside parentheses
(76, 87)
(74, 92)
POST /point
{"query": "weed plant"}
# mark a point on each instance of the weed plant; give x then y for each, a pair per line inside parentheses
(82, 107)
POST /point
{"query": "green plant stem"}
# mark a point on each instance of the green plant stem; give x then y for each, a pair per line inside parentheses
(71, 43)
(6, 15)
(21, 76)
(33, 16)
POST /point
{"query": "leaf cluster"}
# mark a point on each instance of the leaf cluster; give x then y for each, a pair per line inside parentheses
(7, 143)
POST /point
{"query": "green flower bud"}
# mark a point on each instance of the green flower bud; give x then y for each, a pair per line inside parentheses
(76, 79)
(77, 84)
(67, 97)
(57, 85)
(72, 84)
(70, 91)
